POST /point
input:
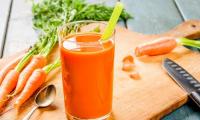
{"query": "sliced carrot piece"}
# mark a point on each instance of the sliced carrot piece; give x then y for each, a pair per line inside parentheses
(37, 61)
(128, 63)
(128, 58)
(128, 67)
(34, 82)
(135, 75)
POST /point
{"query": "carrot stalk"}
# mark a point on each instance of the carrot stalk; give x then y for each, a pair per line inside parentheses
(9, 67)
(189, 42)
(48, 48)
(34, 82)
(52, 66)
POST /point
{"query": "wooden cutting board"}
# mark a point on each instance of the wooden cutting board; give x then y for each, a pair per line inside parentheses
(151, 97)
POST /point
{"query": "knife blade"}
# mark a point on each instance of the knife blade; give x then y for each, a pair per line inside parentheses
(184, 79)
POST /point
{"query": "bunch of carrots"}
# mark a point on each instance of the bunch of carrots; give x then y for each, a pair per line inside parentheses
(26, 73)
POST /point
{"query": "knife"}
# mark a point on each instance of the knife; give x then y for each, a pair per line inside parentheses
(183, 79)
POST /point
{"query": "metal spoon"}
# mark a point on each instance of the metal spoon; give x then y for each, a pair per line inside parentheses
(43, 98)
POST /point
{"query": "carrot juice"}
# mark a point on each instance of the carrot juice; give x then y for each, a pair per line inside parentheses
(87, 74)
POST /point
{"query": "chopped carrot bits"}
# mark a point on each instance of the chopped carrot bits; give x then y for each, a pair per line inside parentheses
(129, 59)
(135, 75)
(128, 67)
(128, 63)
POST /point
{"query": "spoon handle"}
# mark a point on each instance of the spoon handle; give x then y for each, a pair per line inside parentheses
(28, 116)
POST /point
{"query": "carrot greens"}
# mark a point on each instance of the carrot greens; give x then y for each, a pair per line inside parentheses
(189, 42)
(52, 66)
(49, 14)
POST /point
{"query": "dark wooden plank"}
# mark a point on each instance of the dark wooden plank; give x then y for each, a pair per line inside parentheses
(20, 33)
(5, 7)
(189, 8)
(152, 16)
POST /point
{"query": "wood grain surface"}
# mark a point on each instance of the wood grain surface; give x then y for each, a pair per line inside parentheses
(152, 97)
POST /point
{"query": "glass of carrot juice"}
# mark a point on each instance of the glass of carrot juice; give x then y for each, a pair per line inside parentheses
(87, 70)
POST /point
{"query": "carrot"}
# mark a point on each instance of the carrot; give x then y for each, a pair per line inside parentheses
(128, 63)
(127, 67)
(134, 75)
(164, 45)
(34, 82)
(156, 47)
(37, 61)
(8, 85)
(11, 79)
(128, 58)
(11, 65)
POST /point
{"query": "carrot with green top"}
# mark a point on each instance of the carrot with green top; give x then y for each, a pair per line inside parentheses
(156, 47)
(34, 82)
(38, 61)
(11, 78)
(163, 46)
(11, 65)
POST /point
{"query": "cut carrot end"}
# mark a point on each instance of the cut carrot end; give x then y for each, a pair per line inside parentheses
(135, 75)
(128, 58)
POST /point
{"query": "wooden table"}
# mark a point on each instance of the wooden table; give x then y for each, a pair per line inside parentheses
(150, 16)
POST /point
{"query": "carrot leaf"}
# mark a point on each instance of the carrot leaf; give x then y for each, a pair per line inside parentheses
(25, 59)
(189, 42)
(52, 66)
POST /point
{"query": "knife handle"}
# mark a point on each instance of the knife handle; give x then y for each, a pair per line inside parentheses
(195, 96)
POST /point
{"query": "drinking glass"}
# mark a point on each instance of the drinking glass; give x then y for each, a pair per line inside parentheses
(87, 70)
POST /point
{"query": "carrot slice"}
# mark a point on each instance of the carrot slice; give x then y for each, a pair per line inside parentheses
(135, 75)
(128, 58)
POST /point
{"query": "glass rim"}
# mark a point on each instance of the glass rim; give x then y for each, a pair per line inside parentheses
(82, 21)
